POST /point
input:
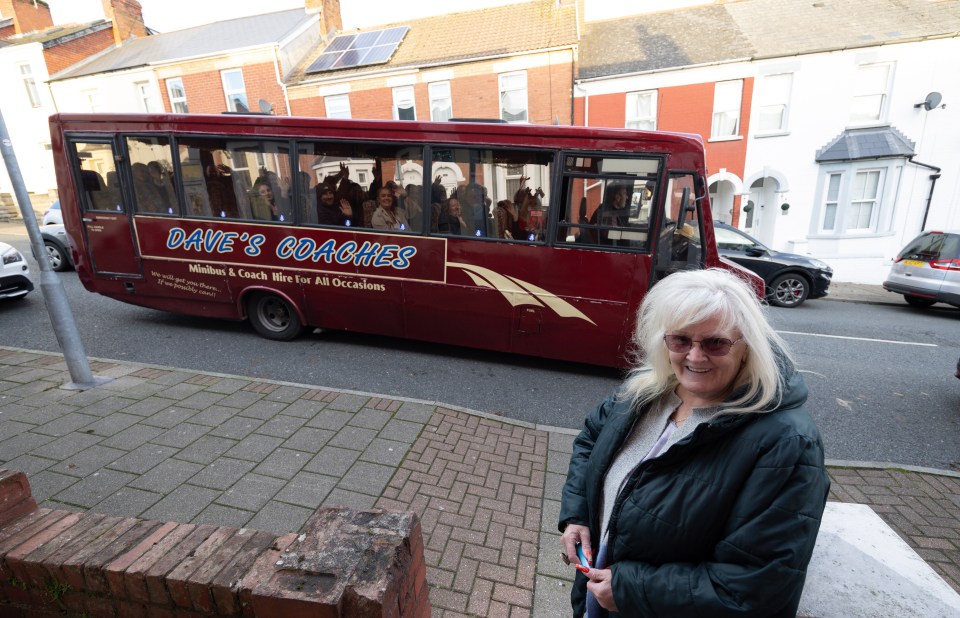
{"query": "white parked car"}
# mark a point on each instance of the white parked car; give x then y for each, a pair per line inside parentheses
(53, 214)
(927, 270)
(15, 280)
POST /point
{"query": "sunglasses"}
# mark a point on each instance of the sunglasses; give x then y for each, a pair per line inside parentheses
(711, 346)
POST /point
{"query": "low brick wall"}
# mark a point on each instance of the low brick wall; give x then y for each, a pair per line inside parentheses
(345, 563)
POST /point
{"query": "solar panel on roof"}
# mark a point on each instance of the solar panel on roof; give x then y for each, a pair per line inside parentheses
(354, 50)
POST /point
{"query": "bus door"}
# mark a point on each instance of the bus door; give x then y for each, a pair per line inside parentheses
(679, 245)
(105, 220)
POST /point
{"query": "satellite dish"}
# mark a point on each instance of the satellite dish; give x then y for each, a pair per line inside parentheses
(265, 106)
(933, 100)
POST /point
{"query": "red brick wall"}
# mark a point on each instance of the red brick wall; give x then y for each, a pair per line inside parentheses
(27, 17)
(55, 563)
(61, 56)
(204, 89)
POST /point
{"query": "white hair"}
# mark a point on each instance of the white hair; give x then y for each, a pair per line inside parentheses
(694, 296)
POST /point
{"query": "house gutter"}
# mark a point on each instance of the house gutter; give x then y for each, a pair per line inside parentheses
(933, 183)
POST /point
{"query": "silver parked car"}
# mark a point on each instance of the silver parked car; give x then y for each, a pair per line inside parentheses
(927, 270)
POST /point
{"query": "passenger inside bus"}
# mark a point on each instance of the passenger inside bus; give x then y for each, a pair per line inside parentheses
(387, 216)
(268, 202)
(330, 210)
(451, 219)
(508, 221)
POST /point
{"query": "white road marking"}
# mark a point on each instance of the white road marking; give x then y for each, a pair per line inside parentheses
(926, 345)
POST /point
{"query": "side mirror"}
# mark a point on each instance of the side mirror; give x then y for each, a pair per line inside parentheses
(685, 206)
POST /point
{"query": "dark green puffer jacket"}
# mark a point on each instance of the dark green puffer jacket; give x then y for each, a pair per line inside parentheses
(722, 524)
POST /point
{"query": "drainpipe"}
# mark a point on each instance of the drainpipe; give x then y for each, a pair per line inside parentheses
(283, 86)
(586, 104)
(933, 183)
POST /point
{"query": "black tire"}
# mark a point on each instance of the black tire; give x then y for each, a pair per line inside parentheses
(789, 290)
(273, 317)
(917, 301)
(59, 261)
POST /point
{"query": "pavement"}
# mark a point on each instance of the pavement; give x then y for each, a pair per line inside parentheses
(166, 443)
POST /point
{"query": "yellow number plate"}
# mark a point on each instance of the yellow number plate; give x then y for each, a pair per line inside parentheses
(913, 263)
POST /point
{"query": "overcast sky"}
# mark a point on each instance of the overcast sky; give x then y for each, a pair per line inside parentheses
(167, 15)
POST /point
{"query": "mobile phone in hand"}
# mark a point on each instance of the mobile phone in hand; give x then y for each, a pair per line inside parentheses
(583, 557)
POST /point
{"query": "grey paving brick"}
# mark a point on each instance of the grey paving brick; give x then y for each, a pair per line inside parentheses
(348, 402)
(386, 452)
(219, 515)
(304, 408)
(309, 439)
(40, 416)
(172, 378)
(251, 492)
(107, 406)
(367, 478)
(282, 426)
(370, 418)
(414, 412)
(241, 399)
(222, 473)
(166, 476)
(143, 458)
(68, 423)
(24, 443)
(227, 386)
(201, 400)
(254, 447)
(127, 502)
(349, 499)
(206, 449)
(16, 412)
(8, 429)
(182, 435)
(332, 460)
(236, 428)
(283, 463)
(183, 504)
(353, 437)
(280, 518)
(214, 416)
(169, 417)
(263, 410)
(286, 394)
(47, 398)
(123, 384)
(143, 391)
(48, 483)
(307, 489)
(86, 397)
(30, 389)
(64, 447)
(31, 374)
(132, 437)
(150, 405)
(182, 390)
(29, 464)
(333, 420)
(89, 460)
(94, 488)
(402, 431)
(112, 424)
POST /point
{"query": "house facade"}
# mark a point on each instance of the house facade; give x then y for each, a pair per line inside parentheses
(814, 137)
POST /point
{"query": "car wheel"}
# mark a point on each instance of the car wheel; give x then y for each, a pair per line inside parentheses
(58, 259)
(789, 290)
(917, 301)
(273, 317)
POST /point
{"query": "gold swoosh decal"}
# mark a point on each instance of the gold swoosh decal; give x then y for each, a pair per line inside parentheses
(519, 292)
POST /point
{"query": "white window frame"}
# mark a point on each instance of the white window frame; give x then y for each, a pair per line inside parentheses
(727, 103)
(869, 94)
(30, 84)
(145, 97)
(178, 104)
(337, 106)
(401, 96)
(634, 118)
(831, 200)
(507, 89)
(849, 204)
(774, 98)
(440, 96)
(229, 92)
(859, 201)
(93, 99)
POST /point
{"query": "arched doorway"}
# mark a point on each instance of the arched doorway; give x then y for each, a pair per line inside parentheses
(761, 219)
(724, 188)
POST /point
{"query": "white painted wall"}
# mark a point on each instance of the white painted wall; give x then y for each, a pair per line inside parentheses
(116, 92)
(27, 125)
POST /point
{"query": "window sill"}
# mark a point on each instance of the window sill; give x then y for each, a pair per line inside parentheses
(731, 138)
(771, 134)
(848, 236)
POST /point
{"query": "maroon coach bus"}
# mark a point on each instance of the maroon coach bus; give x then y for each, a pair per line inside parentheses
(537, 240)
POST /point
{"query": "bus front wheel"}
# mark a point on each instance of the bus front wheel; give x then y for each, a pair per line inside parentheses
(273, 317)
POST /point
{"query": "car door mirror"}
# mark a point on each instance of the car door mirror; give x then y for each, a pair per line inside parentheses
(755, 251)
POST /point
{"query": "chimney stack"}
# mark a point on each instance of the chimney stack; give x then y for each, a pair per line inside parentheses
(329, 14)
(127, 19)
(28, 16)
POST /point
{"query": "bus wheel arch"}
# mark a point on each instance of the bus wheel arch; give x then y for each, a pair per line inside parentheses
(273, 315)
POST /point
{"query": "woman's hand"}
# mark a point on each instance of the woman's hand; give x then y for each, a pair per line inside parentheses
(572, 535)
(599, 586)
(345, 208)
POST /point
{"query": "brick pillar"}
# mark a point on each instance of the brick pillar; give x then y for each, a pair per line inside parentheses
(16, 499)
(127, 19)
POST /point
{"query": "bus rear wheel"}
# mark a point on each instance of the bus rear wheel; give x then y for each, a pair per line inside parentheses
(273, 317)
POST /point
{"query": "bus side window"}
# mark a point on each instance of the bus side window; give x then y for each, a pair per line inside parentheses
(679, 246)
(151, 169)
(96, 161)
